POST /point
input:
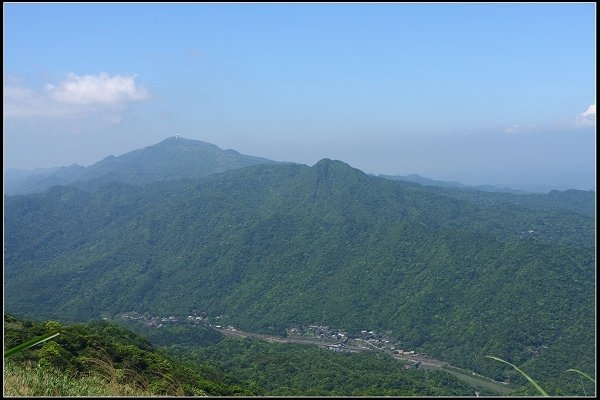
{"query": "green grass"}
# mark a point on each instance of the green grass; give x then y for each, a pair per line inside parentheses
(30, 343)
(30, 379)
(534, 383)
(581, 373)
(36, 380)
(480, 381)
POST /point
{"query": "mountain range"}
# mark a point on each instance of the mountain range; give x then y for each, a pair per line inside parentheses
(457, 273)
(433, 182)
(173, 158)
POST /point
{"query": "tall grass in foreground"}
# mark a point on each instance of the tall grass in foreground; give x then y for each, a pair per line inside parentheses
(162, 384)
(534, 383)
(99, 375)
(30, 343)
(103, 379)
(35, 380)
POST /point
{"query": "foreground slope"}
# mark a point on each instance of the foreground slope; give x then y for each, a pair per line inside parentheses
(173, 158)
(276, 245)
(102, 359)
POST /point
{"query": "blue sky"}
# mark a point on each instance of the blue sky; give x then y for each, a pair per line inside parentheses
(485, 93)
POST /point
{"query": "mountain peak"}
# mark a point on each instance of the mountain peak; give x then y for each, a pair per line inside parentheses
(179, 141)
(327, 165)
(335, 170)
(172, 158)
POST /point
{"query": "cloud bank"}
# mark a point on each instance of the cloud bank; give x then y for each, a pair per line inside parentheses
(74, 96)
(586, 119)
(96, 89)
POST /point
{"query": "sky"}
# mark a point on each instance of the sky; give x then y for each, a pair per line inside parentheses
(477, 93)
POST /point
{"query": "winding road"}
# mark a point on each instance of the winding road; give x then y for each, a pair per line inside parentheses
(425, 362)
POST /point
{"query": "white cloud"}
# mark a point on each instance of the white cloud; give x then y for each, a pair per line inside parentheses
(583, 120)
(22, 102)
(97, 89)
(588, 117)
(74, 96)
(590, 111)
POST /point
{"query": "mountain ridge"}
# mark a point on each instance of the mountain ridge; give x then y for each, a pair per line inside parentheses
(456, 273)
(172, 158)
(282, 244)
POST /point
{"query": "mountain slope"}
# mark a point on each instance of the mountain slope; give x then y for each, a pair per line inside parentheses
(578, 201)
(276, 245)
(101, 358)
(173, 158)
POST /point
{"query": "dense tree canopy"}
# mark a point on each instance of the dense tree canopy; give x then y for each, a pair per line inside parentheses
(277, 245)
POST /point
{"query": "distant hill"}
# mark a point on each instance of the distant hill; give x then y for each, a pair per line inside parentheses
(577, 201)
(15, 174)
(457, 274)
(453, 184)
(514, 188)
(173, 158)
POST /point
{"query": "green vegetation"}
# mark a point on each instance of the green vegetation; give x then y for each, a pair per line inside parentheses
(105, 359)
(305, 370)
(28, 380)
(581, 373)
(294, 369)
(30, 343)
(535, 384)
(277, 245)
(170, 159)
(101, 358)
(577, 201)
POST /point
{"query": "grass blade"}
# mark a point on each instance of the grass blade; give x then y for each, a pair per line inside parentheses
(30, 343)
(534, 383)
(582, 373)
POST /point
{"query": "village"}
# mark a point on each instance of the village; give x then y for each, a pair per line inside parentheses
(326, 337)
(154, 321)
(323, 336)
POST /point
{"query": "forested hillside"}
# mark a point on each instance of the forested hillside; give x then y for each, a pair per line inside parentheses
(173, 158)
(102, 359)
(577, 201)
(277, 245)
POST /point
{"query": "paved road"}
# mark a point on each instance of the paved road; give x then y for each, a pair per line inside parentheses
(426, 362)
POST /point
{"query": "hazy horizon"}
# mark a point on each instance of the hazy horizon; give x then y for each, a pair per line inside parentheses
(498, 94)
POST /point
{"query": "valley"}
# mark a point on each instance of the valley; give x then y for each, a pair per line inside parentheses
(326, 338)
(289, 251)
(300, 200)
(413, 360)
